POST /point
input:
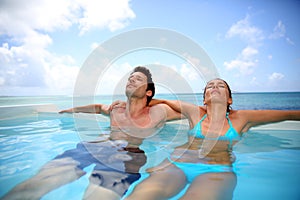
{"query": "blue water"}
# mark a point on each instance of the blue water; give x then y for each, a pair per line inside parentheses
(266, 166)
(271, 100)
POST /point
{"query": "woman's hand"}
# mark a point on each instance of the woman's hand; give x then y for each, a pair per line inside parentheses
(66, 111)
(118, 104)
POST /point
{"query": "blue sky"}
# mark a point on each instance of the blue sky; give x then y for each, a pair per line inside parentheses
(255, 45)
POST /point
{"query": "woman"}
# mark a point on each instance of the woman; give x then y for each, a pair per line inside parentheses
(203, 166)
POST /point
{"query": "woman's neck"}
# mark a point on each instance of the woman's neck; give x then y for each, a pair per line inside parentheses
(216, 116)
(216, 112)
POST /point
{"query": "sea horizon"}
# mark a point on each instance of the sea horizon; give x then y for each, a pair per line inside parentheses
(180, 93)
(241, 100)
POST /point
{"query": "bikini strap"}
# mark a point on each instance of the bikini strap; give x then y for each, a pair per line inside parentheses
(231, 127)
(199, 123)
(227, 116)
(204, 116)
(229, 122)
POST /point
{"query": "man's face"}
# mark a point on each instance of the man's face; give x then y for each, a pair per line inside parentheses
(136, 85)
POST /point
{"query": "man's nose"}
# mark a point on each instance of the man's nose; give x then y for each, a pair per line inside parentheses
(132, 80)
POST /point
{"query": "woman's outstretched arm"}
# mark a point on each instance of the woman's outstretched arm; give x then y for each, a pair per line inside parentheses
(260, 117)
(179, 106)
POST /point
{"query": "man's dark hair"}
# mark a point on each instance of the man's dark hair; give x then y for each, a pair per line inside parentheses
(150, 85)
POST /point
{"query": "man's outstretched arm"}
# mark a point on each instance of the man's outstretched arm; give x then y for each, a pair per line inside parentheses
(93, 108)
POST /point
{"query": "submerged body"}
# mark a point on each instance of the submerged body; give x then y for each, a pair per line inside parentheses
(118, 156)
(203, 166)
(116, 161)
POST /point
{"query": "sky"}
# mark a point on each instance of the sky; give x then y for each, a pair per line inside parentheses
(254, 44)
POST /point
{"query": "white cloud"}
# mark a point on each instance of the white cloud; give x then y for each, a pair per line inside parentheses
(289, 41)
(245, 31)
(61, 73)
(25, 27)
(94, 45)
(188, 72)
(270, 57)
(275, 76)
(20, 18)
(245, 61)
(278, 31)
(2, 81)
(254, 81)
(248, 53)
(113, 79)
(22, 66)
(205, 67)
(181, 78)
(114, 14)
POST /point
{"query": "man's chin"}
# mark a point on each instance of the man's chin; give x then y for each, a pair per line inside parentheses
(129, 93)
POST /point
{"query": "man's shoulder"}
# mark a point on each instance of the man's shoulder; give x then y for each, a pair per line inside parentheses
(158, 109)
(158, 106)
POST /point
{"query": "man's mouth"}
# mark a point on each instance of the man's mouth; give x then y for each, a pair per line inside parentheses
(130, 85)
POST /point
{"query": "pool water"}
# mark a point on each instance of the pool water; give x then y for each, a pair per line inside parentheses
(26, 144)
(267, 164)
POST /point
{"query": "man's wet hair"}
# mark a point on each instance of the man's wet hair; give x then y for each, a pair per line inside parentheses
(150, 85)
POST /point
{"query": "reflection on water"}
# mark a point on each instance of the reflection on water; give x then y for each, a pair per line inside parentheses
(268, 140)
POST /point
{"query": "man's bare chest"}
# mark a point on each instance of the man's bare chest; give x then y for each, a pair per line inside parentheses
(121, 119)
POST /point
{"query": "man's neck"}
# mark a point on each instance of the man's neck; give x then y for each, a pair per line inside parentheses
(136, 107)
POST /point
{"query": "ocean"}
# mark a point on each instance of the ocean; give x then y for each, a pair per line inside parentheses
(256, 101)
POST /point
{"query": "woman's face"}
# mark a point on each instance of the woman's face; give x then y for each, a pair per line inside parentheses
(217, 91)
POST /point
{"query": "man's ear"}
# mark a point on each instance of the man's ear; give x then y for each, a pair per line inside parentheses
(149, 93)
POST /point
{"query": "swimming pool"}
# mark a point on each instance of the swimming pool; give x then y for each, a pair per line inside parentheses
(266, 166)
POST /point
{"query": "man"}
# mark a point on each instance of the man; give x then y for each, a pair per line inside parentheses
(118, 159)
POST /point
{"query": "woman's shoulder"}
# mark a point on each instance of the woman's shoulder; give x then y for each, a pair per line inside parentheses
(238, 114)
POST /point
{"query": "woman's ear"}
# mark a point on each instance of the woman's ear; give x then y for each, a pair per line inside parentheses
(229, 101)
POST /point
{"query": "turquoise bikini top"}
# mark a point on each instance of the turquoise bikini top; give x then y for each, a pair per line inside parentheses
(231, 133)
